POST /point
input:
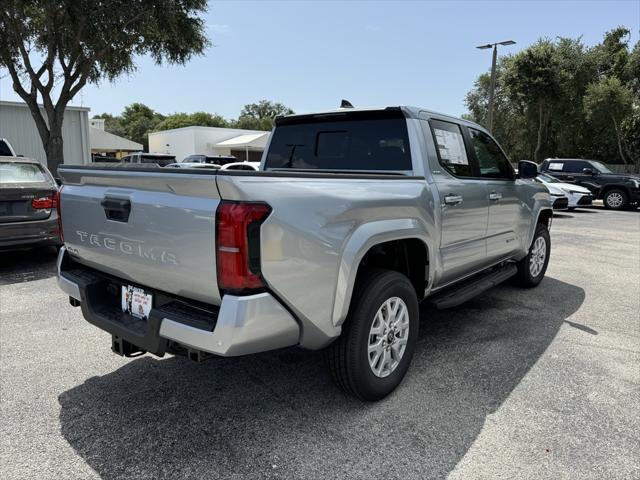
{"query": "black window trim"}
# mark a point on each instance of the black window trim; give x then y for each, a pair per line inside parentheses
(470, 155)
(477, 162)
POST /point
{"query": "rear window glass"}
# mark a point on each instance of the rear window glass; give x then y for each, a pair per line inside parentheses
(366, 141)
(21, 173)
(5, 151)
(162, 161)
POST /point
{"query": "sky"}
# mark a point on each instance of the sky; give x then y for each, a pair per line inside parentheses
(309, 55)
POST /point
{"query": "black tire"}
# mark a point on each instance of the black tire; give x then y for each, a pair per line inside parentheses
(615, 199)
(524, 277)
(348, 356)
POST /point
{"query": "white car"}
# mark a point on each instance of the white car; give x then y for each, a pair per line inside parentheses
(578, 196)
(209, 166)
(254, 166)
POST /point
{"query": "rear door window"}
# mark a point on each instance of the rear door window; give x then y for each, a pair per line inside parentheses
(575, 166)
(452, 153)
(22, 173)
(555, 166)
(346, 141)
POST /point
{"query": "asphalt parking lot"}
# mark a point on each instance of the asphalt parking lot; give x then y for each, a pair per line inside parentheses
(525, 384)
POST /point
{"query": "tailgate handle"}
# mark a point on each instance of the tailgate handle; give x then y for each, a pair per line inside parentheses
(116, 209)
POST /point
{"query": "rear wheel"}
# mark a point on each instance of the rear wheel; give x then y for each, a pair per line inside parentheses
(615, 199)
(531, 269)
(373, 353)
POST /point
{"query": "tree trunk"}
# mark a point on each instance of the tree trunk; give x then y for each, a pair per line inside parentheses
(618, 138)
(536, 153)
(53, 148)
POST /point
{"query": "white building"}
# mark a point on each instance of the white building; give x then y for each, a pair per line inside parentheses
(182, 142)
(17, 126)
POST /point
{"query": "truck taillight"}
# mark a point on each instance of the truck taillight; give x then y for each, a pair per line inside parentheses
(59, 210)
(238, 244)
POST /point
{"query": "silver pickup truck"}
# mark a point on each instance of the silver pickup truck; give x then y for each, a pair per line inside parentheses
(355, 217)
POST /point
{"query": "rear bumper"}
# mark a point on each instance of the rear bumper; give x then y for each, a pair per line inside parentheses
(27, 234)
(241, 325)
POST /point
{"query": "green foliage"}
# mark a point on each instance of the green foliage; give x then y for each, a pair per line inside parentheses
(69, 43)
(631, 134)
(179, 120)
(560, 98)
(135, 123)
(259, 116)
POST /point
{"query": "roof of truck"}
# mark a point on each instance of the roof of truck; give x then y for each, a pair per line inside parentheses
(410, 111)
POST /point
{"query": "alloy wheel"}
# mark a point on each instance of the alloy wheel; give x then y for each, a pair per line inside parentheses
(538, 256)
(388, 337)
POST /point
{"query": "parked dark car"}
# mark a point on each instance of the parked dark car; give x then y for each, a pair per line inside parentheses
(618, 191)
(28, 205)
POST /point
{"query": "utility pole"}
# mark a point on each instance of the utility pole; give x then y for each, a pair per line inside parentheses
(493, 77)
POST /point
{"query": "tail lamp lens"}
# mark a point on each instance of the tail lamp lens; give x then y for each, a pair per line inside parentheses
(238, 244)
(45, 203)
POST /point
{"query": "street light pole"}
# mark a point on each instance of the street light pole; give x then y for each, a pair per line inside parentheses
(493, 78)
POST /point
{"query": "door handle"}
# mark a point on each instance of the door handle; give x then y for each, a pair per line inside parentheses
(116, 209)
(452, 199)
(495, 196)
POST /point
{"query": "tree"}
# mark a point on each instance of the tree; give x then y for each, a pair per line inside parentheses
(112, 124)
(557, 78)
(137, 121)
(609, 102)
(532, 83)
(631, 132)
(202, 119)
(507, 119)
(259, 116)
(57, 47)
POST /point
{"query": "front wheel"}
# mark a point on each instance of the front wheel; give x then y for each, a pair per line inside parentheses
(531, 269)
(373, 353)
(615, 199)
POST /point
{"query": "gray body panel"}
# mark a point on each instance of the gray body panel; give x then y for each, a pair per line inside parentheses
(167, 243)
(320, 227)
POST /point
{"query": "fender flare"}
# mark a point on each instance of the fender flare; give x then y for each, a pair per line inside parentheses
(360, 242)
(532, 228)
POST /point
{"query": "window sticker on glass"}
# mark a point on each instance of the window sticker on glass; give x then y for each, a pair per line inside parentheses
(557, 167)
(451, 147)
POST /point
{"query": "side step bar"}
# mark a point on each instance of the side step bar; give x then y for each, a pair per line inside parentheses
(458, 294)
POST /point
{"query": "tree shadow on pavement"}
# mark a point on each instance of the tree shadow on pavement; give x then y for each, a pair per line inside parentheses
(27, 265)
(279, 414)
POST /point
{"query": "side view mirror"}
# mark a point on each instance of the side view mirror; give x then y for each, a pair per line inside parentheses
(527, 169)
(588, 171)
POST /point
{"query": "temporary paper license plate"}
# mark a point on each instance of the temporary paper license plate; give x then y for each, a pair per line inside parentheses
(136, 302)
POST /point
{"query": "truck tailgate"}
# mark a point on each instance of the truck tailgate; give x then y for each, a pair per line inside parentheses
(154, 228)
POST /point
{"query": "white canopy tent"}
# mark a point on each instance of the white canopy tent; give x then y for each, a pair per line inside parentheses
(251, 141)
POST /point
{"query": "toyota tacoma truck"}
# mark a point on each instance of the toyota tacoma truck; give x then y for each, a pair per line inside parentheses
(355, 217)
